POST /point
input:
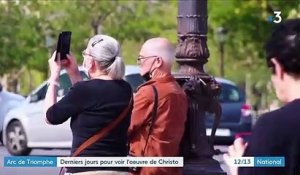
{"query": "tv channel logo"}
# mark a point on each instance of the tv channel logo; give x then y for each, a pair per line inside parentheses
(276, 18)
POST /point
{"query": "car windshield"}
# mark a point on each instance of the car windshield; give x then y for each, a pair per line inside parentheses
(64, 86)
(135, 80)
(230, 94)
(65, 82)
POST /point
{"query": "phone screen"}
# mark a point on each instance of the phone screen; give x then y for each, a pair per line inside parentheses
(63, 44)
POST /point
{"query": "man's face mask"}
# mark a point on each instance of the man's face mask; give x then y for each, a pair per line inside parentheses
(147, 75)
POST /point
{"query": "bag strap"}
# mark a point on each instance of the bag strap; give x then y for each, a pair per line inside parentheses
(153, 115)
(103, 132)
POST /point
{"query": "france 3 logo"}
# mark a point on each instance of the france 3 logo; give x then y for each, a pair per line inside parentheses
(276, 18)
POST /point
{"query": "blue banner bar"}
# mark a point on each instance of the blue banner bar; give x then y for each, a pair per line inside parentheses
(30, 161)
(269, 161)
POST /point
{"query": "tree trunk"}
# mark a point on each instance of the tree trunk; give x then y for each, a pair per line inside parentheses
(3, 81)
(30, 80)
(10, 81)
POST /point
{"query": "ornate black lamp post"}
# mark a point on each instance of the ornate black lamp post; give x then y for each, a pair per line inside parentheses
(202, 89)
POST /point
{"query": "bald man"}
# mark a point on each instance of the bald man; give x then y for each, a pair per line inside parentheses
(157, 135)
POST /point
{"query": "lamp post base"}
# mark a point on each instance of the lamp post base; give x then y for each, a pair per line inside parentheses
(206, 166)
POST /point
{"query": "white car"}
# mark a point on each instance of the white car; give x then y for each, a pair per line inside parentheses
(25, 127)
(8, 101)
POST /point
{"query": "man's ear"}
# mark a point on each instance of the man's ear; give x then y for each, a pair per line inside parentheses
(160, 62)
(278, 68)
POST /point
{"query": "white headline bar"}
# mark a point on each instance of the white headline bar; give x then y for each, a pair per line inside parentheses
(119, 161)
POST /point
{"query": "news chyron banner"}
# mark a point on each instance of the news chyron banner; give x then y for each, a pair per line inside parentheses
(34, 161)
(30, 161)
(257, 162)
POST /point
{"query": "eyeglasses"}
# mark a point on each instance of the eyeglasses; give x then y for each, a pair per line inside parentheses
(84, 54)
(140, 58)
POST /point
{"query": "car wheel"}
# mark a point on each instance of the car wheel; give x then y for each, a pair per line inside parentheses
(16, 140)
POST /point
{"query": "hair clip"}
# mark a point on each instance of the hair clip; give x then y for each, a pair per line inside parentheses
(96, 42)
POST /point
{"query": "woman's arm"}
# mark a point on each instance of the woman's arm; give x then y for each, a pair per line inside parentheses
(72, 69)
(51, 95)
(235, 151)
(53, 82)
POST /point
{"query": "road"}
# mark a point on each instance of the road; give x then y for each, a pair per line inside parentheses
(55, 171)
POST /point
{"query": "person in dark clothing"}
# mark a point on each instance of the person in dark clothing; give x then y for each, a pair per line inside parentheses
(276, 133)
(93, 104)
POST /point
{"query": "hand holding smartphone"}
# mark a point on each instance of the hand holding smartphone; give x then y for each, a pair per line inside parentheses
(63, 46)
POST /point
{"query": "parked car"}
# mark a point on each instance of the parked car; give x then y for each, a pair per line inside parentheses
(133, 77)
(236, 119)
(8, 101)
(25, 127)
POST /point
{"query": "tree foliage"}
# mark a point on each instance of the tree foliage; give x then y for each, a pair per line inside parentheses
(248, 29)
(31, 27)
(29, 31)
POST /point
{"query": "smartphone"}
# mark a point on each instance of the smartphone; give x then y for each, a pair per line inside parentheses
(63, 45)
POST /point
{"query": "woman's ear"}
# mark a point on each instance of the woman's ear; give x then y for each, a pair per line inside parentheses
(93, 64)
(88, 63)
(278, 68)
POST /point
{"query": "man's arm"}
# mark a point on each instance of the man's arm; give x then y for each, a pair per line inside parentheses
(141, 110)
